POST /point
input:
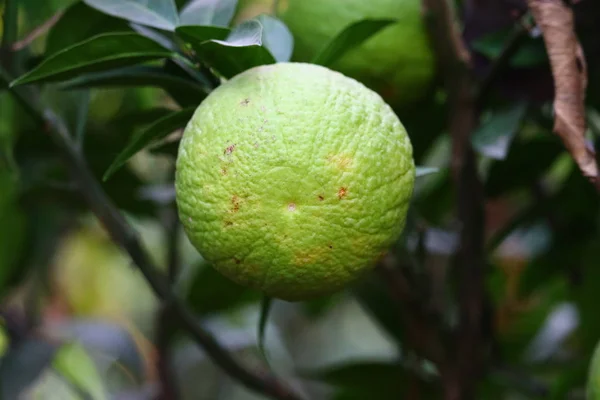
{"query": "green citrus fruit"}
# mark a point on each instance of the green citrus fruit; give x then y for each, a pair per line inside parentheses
(293, 179)
(397, 62)
(593, 385)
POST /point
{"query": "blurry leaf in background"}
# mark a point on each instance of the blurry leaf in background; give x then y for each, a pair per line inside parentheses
(102, 52)
(240, 51)
(158, 130)
(496, 131)
(74, 364)
(593, 380)
(78, 23)
(276, 37)
(532, 53)
(350, 38)
(21, 366)
(160, 14)
(208, 12)
(424, 171)
(105, 343)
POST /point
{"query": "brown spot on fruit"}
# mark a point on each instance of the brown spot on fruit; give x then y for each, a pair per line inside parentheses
(330, 246)
(223, 171)
(229, 150)
(235, 202)
(237, 260)
(321, 198)
(228, 223)
(341, 161)
(292, 207)
(342, 192)
(245, 102)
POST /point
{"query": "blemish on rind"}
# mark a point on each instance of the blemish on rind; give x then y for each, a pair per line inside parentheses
(223, 171)
(342, 192)
(229, 149)
(292, 207)
(245, 102)
(235, 201)
(237, 260)
(321, 198)
(228, 223)
(330, 246)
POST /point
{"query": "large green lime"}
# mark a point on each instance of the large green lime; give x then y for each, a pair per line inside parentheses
(293, 179)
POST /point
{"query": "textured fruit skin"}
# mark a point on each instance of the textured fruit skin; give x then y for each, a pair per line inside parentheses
(293, 179)
(593, 385)
(397, 62)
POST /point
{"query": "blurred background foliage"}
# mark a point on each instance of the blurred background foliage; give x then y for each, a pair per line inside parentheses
(81, 322)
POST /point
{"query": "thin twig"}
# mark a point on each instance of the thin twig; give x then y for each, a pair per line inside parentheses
(124, 235)
(511, 46)
(37, 32)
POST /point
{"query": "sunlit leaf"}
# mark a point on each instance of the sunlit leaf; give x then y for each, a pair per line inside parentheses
(160, 14)
(208, 12)
(276, 37)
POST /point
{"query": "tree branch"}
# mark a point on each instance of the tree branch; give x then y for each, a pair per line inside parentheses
(124, 235)
(464, 365)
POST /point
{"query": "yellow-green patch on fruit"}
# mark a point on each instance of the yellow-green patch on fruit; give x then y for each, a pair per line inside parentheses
(593, 385)
(293, 179)
(397, 62)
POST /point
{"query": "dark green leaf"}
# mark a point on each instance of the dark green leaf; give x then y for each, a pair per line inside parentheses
(531, 53)
(365, 380)
(265, 308)
(517, 169)
(276, 37)
(156, 131)
(241, 50)
(160, 14)
(493, 137)
(211, 292)
(186, 92)
(593, 381)
(78, 23)
(208, 12)
(199, 34)
(22, 365)
(351, 37)
(99, 53)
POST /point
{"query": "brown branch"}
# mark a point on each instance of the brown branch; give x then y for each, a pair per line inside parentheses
(124, 235)
(37, 32)
(557, 23)
(465, 364)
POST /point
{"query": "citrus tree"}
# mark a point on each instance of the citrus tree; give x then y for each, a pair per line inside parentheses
(299, 199)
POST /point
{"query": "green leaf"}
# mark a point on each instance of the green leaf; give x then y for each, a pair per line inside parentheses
(351, 37)
(593, 380)
(78, 23)
(157, 130)
(208, 12)
(185, 92)
(195, 34)
(364, 380)
(276, 37)
(241, 50)
(493, 137)
(76, 366)
(531, 53)
(160, 14)
(211, 292)
(99, 53)
(422, 171)
(265, 308)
